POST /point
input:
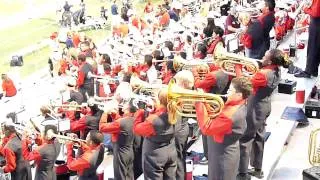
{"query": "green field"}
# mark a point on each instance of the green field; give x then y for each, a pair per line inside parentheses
(34, 31)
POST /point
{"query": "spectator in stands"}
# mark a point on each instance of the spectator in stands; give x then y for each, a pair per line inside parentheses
(149, 7)
(232, 24)
(114, 8)
(165, 18)
(69, 41)
(313, 53)
(85, 49)
(216, 40)
(201, 51)
(8, 87)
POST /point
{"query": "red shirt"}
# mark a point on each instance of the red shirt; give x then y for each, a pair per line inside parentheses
(314, 9)
(221, 125)
(213, 45)
(81, 163)
(145, 127)
(35, 154)
(165, 19)
(259, 80)
(9, 88)
(113, 127)
(9, 155)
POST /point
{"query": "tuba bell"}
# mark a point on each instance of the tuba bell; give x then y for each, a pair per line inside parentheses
(181, 102)
(227, 61)
(314, 148)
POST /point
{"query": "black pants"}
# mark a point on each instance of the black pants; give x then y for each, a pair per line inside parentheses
(258, 148)
(313, 52)
(205, 145)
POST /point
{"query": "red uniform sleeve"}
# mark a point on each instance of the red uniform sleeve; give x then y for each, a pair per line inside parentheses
(314, 9)
(142, 128)
(106, 127)
(10, 160)
(246, 40)
(80, 79)
(259, 80)
(238, 68)
(205, 84)
(216, 127)
(75, 164)
(34, 155)
(78, 125)
(211, 48)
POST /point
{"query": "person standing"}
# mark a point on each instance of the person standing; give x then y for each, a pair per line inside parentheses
(45, 155)
(16, 165)
(232, 24)
(225, 130)
(159, 156)
(259, 108)
(267, 20)
(252, 38)
(84, 82)
(313, 52)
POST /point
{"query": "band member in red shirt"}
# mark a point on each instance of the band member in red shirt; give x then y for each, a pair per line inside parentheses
(10, 149)
(313, 55)
(122, 138)
(91, 157)
(267, 20)
(252, 38)
(225, 130)
(8, 86)
(84, 82)
(45, 155)
(159, 151)
(259, 108)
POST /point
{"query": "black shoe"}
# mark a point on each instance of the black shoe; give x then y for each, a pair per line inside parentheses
(243, 176)
(256, 173)
(302, 74)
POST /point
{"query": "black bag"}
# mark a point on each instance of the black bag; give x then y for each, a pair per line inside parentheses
(311, 173)
(16, 61)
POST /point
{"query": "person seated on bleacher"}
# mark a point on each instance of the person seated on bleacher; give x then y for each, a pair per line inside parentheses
(8, 87)
(216, 40)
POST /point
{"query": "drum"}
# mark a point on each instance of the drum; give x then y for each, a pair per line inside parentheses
(62, 170)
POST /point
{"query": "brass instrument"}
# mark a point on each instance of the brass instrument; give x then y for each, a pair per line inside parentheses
(63, 139)
(181, 64)
(314, 147)
(103, 78)
(181, 102)
(227, 61)
(136, 82)
(72, 106)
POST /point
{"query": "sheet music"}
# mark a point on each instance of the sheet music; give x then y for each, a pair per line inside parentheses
(64, 125)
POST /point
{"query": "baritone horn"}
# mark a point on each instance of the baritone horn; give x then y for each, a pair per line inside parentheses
(181, 102)
(228, 61)
(314, 148)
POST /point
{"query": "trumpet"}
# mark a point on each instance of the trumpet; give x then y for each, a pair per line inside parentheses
(63, 139)
(182, 102)
(72, 106)
(227, 61)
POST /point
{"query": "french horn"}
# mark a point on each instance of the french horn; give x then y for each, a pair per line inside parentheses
(181, 102)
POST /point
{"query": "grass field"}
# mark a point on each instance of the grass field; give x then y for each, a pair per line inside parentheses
(34, 31)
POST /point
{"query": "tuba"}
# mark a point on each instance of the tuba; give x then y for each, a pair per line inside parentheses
(314, 147)
(181, 102)
(228, 61)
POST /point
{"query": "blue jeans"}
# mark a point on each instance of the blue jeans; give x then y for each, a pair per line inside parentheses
(107, 141)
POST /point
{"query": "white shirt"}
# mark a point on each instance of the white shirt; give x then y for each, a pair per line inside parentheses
(152, 75)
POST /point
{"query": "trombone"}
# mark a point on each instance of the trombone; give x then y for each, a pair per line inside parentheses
(72, 106)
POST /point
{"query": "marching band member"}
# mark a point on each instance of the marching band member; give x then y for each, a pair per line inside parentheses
(85, 48)
(151, 73)
(169, 72)
(159, 159)
(10, 149)
(122, 138)
(259, 108)
(313, 55)
(216, 82)
(267, 20)
(216, 40)
(75, 95)
(84, 83)
(185, 80)
(252, 38)
(225, 130)
(201, 52)
(88, 162)
(45, 155)
(8, 87)
(46, 113)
